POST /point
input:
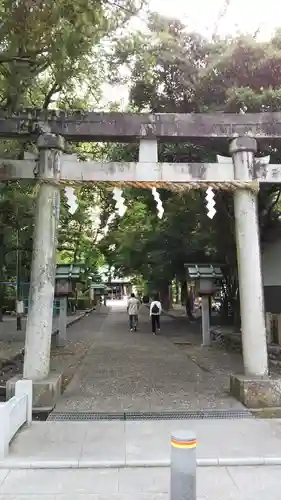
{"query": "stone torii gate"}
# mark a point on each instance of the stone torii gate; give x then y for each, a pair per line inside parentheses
(240, 173)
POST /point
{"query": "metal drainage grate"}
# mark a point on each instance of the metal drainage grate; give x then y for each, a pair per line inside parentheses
(189, 414)
(84, 415)
(162, 415)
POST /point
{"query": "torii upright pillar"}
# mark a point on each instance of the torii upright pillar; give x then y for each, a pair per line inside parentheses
(46, 386)
(254, 388)
(41, 296)
(243, 151)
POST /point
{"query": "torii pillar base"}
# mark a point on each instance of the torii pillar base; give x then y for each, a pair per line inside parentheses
(45, 393)
(256, 392)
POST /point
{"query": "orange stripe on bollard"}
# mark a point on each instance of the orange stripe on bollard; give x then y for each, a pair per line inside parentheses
(184, 444)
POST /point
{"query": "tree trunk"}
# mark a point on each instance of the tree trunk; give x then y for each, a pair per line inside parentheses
(177, 285)
(165, 296)
(183, 292)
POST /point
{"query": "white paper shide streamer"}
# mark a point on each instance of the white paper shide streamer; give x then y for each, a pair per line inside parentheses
(120, 201)
(211, 211)
(71, 199)
(159, 205)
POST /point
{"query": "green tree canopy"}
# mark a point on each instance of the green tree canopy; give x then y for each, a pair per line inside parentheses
(49, 50)
(52, 55)
(171, 69)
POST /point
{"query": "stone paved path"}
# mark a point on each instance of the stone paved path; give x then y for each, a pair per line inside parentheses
(139, 372)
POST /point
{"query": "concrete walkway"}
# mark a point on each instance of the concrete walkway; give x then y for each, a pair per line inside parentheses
(128, 371)
(125, 460)
(143, 443)
(225, 483)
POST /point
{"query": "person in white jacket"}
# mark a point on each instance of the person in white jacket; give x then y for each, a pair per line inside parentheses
(155, 311)
(133, 311)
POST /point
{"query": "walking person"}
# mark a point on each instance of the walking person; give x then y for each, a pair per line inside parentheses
(155, 311)
(133, 311)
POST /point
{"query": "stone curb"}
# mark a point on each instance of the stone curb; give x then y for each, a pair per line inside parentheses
(122, 464)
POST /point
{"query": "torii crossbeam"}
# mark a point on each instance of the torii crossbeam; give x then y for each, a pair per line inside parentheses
(83, 125)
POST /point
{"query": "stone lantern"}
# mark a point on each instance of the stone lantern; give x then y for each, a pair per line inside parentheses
(67, 275)
(206, 277)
